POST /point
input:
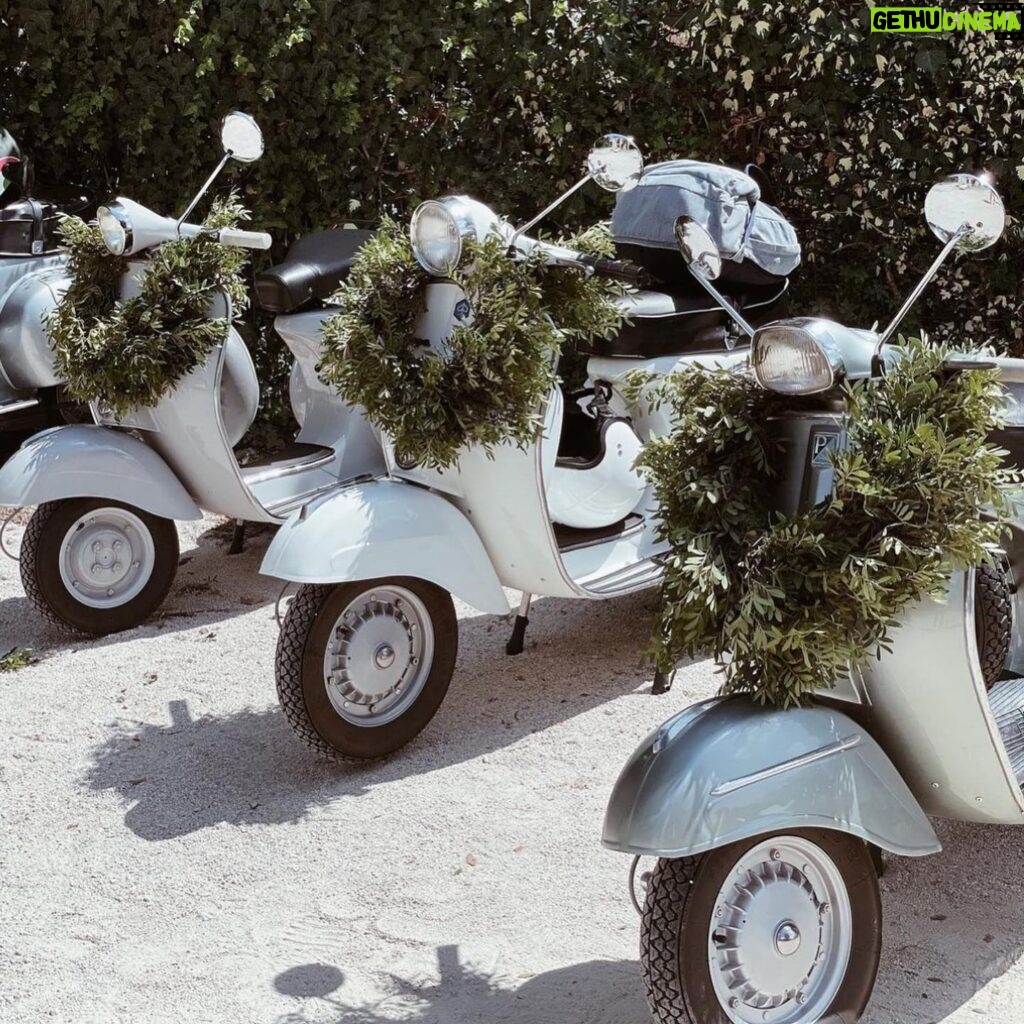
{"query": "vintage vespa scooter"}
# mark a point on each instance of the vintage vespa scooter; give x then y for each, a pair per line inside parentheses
(32, 281)
(368, 645)
(101, 550)
(768, 824)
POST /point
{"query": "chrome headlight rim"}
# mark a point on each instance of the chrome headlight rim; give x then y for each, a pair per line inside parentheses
(116, 212)
(461, 220)
(812, 330)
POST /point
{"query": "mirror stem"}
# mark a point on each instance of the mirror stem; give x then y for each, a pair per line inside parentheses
(202, 192)
(723, 302)
(964, 229)
(547, 209)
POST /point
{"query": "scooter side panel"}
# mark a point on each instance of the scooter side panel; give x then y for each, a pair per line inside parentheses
(36, 286)
(93, 462)
(928, 708)
(728, 769)
(385, 528)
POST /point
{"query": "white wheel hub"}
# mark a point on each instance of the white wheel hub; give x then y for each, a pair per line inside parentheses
(780, 936)
(107, 557)
(378, 656)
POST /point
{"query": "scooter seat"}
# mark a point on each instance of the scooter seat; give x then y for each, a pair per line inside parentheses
(313, 268)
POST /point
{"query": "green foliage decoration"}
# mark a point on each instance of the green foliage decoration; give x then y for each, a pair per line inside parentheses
(486, 383)
(131, 353)
(789, 605)
(369, 106)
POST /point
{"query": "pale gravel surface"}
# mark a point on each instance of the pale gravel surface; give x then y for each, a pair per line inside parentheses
(170, 853)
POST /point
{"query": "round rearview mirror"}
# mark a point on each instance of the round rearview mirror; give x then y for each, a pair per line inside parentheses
(241, 137)
(698, 248)
(615, 163)
(963, 201)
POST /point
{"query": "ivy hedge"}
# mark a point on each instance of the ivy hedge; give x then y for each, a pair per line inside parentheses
(370, 105)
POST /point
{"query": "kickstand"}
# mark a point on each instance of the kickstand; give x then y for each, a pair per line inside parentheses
(662, 682)
(238, 538)
(515, 641)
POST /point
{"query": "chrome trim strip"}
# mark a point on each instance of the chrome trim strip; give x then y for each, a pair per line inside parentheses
(262, 474)
(630, 575)
(785, 766)
(19, 405)
(285, 506)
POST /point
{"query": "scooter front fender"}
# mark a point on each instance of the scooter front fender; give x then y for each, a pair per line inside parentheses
(727, 769)
(386, 528)
(85, 461)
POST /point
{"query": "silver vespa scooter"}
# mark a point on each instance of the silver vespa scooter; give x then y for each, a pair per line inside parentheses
(768, 824)
(32, 281)
(368, 645)
(101, 549)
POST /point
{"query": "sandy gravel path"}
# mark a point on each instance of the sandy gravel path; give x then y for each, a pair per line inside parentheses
(170, 853)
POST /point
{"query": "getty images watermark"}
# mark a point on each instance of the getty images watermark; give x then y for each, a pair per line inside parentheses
(1003, 20)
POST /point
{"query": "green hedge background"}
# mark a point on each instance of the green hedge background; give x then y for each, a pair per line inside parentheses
(370, 105)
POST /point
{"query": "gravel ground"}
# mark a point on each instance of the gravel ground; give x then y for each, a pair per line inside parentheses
(170, 852)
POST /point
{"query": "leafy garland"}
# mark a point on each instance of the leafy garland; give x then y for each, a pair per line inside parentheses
(131, 353)
(497, 366)
(788, 606)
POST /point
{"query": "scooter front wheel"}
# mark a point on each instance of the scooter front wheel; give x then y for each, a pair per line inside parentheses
(778, 929)
(362, 667)
(97, 566)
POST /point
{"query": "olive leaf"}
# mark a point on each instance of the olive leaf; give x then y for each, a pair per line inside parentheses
(126, 354)
(790, 605)
(487, 386)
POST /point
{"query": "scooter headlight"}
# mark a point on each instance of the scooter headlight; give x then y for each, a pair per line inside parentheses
(796, 357)
(438, 232)
(116, 228)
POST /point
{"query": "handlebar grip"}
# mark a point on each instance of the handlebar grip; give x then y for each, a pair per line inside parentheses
(244, 239)
(620, 270)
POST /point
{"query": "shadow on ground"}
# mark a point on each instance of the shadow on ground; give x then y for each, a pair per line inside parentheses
(247, 767)
(596, 992)
(932, 964)
(210, 586)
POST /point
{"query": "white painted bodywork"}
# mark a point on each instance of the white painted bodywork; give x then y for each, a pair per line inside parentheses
(502, 495)
(191, 432)
(85, 461)
(386, 528)
(30, 288)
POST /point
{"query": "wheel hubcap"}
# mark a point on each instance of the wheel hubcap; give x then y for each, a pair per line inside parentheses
(780, 934)
(384, 656)
(787, 939)
(378, 656)
(107, 557)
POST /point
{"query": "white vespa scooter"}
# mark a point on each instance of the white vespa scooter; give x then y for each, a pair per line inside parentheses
(768, 824)
(368, 645)
(32, 280)
(101, 550)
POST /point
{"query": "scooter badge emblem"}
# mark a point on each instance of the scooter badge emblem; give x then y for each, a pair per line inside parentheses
(462, 309)
(821, 444)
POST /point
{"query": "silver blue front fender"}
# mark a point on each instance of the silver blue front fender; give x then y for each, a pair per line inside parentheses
(93, 462)
(727, 769)
(386, 528)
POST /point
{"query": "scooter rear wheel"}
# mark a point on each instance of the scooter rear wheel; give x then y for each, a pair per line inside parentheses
(993, 620)
(97, 566)
(362, 667)
(779, 929)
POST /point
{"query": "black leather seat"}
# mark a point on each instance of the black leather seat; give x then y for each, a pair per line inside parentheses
(314, 267)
